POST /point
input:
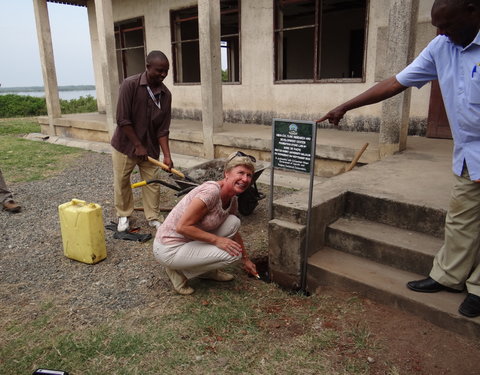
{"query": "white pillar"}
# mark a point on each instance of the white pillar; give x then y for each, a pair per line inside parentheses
(108, 59)
(48, 62)
(211, 72)
(92, 24)
(402, 26)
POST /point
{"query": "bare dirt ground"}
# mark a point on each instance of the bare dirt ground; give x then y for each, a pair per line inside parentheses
(33, 270)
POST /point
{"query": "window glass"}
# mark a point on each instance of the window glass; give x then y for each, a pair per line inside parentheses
(133, 38)
(298, 13)
(342, 41)
(319, 39)
(297, 54)
(229, 24)
(130, 47)
(190, 52)
(189, 29)
(185, 43)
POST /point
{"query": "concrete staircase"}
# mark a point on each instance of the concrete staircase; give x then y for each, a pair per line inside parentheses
(376, 247)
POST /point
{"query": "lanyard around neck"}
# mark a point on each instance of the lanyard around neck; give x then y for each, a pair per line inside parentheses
(157, 102)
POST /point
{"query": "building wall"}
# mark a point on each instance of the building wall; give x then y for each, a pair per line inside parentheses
(257, 99)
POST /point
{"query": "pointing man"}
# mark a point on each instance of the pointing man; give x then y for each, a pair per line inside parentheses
(453, 58)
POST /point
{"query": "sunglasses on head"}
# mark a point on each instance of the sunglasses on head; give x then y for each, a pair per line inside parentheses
(242, 154)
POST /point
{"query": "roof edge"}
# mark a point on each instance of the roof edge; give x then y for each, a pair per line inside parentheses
(79, 3)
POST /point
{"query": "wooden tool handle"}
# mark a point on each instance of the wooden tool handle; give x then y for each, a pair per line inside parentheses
(165, 167)
(357, 157)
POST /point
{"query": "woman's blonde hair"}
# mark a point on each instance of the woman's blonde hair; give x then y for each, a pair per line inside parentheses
(239, 158)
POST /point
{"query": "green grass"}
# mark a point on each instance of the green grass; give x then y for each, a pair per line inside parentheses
(254, 330)
(361, 337)
(24, 160)
(18, 126)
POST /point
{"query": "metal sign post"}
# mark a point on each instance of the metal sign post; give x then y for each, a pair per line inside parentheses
(293, 149)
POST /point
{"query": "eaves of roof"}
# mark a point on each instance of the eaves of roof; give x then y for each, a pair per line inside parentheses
(80, 3)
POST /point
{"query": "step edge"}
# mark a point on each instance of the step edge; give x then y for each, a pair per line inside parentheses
(340, 226)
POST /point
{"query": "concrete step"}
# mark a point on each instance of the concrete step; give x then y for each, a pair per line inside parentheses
(387, 285)
(399, 214)
(400, 248)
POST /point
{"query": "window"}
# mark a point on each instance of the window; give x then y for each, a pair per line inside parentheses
(130, 47)
(185, 46)
(319, 40)
(230, 40)
(186, 49)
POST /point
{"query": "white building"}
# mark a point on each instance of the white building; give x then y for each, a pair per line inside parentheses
(281, 59)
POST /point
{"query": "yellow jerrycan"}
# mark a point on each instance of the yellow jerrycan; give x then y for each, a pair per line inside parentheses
(83, 235)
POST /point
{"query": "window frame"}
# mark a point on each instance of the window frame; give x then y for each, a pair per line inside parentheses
(317, 48)
(174, 21)
(118, 30)
(175, 43)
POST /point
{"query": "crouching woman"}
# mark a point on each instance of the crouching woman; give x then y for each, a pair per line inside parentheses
(200, 235)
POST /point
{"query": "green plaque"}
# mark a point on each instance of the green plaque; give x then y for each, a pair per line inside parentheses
(292, 145)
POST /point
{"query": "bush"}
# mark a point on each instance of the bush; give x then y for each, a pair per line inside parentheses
(12, 105)
(83, 104)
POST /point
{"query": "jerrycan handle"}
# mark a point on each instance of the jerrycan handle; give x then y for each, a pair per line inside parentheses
(78, 202)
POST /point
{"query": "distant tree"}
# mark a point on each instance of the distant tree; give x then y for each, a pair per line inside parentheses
(84, 104)
(12, 105)
(224, 76)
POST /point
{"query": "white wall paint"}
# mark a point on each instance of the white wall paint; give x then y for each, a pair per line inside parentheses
(257, 91)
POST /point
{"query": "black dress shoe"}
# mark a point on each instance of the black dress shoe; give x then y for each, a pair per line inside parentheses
(470, 306)
(429, 285)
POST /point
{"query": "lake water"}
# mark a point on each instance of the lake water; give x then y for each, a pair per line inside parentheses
(66, 95)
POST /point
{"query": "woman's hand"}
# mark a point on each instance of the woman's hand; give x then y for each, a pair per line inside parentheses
(229, 245)
(187, 226)
(250, 267)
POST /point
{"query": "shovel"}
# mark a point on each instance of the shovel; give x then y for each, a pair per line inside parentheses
(173, 170)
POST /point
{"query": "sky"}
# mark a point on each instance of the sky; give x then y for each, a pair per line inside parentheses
(19, 56)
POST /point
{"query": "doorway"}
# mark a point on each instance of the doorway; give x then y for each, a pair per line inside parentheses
(437, 123)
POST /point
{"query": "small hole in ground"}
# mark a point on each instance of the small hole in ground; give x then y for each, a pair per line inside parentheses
(262, 268)
(264, 272)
